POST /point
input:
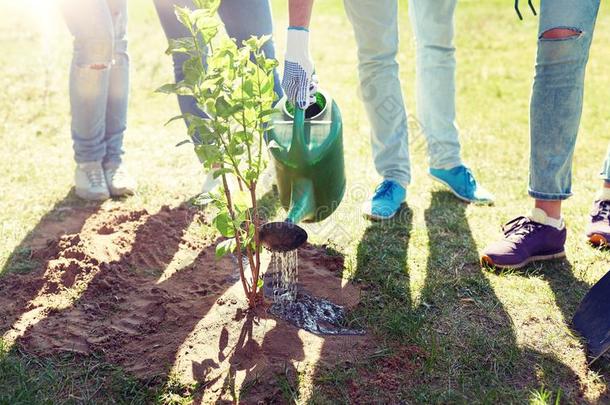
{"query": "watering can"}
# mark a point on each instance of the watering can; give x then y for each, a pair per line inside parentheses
(306, 148)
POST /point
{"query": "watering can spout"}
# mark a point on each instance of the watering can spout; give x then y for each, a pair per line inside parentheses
(287, 235)
(302, 206)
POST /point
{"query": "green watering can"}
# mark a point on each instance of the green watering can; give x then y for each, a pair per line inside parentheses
(306, 148)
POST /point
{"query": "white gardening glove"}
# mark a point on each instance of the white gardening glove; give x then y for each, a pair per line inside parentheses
(300, 82)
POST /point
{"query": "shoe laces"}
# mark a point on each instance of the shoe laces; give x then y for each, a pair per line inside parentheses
(385, 189)
(520, 227)
(602, 211)
(95, 177)
(469, 180)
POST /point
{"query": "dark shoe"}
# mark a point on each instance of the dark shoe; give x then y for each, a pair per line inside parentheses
(525, 241)
(598, 231)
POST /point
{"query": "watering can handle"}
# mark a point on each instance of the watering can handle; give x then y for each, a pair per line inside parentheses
(298, 151)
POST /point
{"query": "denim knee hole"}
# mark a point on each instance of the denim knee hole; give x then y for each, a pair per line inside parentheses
(560, 33)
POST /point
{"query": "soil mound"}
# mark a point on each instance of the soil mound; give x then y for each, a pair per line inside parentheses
(146, 292)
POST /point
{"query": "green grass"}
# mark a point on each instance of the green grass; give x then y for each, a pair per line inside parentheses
(484, 337)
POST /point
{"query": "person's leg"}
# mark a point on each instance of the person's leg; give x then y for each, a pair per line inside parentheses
(245, 18)
(565, 34)
(605, 173)
(118, 89)
(564, 39)
(174, 29)
(375, 25)
(433, 26)
(598, 229)
(242, 18)
(90, 23)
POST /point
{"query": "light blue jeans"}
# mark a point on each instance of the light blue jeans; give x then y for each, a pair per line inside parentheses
(99, 78)
(557, 97)
(375, 25)
(242, 19)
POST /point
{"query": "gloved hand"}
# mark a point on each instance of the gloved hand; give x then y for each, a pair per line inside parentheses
(300, 82)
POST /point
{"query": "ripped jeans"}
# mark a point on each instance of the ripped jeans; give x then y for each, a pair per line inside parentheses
(99, 78)
(565, 35)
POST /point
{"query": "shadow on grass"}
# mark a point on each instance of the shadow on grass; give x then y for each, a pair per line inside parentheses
(384, 312)
(473, 354)
(454, 344)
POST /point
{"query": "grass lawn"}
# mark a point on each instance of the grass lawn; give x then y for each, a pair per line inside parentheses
(466, 335)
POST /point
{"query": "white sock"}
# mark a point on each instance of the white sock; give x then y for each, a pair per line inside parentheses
(603, 195)
(538, 215)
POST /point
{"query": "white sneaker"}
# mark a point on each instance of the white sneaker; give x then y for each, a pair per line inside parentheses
(120, 183)
(90, 183)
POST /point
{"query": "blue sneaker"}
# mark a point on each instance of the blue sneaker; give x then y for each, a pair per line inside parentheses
(386, 201)
(461, 182)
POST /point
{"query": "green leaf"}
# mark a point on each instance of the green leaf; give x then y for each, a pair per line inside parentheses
(183, 14)
(169, 88)
(205, 21)
(208, 5)
(183, 142)
(249, 239)
(225, 247)
(220, 172)
(224, 224)
(256, 43)
(251, 174)
(193, 71)
(224, 109)
(208, 153)
(260, 283)
(181, 45)
(176, 118)
(236, 149)
(269, 111)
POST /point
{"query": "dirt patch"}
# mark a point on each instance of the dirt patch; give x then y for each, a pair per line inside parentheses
(146, 291)
(387, 376)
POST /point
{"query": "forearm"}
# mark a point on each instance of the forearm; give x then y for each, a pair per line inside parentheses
(300, 12)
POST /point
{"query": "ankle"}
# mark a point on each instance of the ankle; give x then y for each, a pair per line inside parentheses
(551, 209)
(540, 216)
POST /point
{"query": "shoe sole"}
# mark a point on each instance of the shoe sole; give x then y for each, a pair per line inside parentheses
(486, 261)
(475, 202)
(121, 193)
(374, 217)
(85, 195)
(598, 240)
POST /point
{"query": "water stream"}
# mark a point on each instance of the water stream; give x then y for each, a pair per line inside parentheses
(297, 307)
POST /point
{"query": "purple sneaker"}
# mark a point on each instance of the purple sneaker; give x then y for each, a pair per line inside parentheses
(525, 241)
(598, 230)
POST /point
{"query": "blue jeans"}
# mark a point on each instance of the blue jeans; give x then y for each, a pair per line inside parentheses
(242, 19)
(557, 97)
(99, 78)
(375, 25)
